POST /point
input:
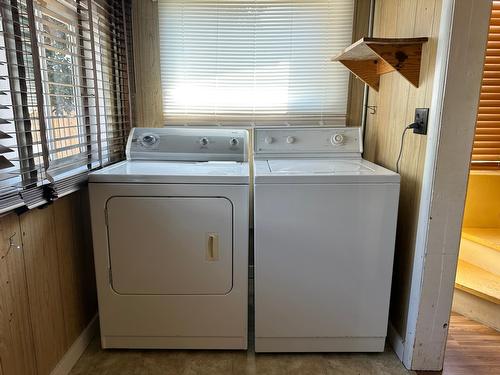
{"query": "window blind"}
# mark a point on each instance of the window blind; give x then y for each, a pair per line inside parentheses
(69, 102)
(486, 150)
(10, 176)
(112, 43)
(64, 97)
(254, 62)
(20, 109)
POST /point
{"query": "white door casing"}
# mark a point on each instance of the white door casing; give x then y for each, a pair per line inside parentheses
(459, 67)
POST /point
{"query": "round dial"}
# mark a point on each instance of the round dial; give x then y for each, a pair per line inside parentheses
(149, 140)
(234, 142)
(269, 140)
(290, 140)
(337, 139)
(204, 141)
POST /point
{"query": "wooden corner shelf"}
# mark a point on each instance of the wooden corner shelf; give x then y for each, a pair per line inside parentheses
(369, 58)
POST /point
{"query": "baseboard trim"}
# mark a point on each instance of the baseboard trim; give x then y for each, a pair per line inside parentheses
(77, 348)
(396, 341)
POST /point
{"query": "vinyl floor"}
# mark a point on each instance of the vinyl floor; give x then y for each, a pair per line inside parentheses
(181, 362)
(472, 349)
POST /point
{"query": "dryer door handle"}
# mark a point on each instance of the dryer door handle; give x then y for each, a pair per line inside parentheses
(212, 247)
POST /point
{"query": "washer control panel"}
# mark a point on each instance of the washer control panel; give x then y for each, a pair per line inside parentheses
(190, 144)
(308, 141)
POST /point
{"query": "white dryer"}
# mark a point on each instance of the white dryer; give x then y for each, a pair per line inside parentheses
(170, 232)
(325, 225)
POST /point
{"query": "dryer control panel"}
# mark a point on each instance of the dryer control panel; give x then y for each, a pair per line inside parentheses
(298, 142)
(187, 144)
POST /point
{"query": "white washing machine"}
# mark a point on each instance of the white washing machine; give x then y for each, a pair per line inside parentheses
(325, 225)
(170, 231)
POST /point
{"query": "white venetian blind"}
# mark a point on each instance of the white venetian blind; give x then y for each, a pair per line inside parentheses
(256, 62)
(64, 94)
(22, 171)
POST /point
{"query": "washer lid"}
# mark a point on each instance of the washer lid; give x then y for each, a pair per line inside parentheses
(317, 166)
(137, 171)
(321, 171)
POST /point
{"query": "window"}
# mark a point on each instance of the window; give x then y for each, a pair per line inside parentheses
(254, 62)
(62, 29)
(486, 151)
(112, 41)
(64, 96)
(20, 119)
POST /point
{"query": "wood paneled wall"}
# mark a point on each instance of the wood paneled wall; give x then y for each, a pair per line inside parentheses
(356, 86)
(482, 207)
(148, 96)
(47, 286)
(396, 102)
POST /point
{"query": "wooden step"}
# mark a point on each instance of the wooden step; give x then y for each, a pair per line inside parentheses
(485, 236)
(479, 255)
(476, 308)
(478, 282)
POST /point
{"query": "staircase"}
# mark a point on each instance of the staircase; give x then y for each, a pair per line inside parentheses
(477, 284)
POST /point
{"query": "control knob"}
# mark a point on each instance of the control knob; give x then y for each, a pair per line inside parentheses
(234, 142)
(148, 140)
(204, 141)
(269, 140)
(290, 140)
(337, 139)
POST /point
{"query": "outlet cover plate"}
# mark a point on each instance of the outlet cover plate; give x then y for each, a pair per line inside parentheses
(421, 118)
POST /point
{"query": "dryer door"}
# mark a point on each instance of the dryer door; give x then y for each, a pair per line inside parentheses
(170, 245)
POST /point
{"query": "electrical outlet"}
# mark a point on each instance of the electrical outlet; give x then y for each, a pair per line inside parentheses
(421, 117)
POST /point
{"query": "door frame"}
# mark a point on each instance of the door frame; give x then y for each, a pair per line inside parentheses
(459, 68)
